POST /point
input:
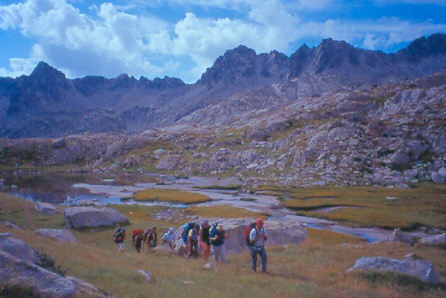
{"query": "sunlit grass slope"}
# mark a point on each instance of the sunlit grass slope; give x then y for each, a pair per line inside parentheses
(315, 268)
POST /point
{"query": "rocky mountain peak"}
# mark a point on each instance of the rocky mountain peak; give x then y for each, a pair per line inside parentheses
(423, 47)
(233, 64)
(45, 71)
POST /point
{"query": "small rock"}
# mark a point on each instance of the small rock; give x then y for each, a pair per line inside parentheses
(61, 235)
(146, 275)
(433, 240)
(46, 208)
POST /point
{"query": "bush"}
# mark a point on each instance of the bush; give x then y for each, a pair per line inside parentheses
(47, 262)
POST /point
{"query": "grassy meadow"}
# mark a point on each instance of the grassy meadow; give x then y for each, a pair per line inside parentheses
(407, 209)
(314, 268)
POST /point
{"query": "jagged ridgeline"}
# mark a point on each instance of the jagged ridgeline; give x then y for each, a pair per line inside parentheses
(334, 114)
(47, 104)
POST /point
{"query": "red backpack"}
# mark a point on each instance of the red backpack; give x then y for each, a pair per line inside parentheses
(248, 231)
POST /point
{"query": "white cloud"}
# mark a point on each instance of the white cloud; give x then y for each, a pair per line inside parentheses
(114, 39)
(418, 2)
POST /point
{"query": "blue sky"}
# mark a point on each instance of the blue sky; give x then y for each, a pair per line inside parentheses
(181, 38)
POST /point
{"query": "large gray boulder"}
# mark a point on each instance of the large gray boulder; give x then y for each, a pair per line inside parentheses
(421, 269)
(433, 240)
(18, 248)
(46, 208)
(17, 272)
(61, 235)
(80, 217)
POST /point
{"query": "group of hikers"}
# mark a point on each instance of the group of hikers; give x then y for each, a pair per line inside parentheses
(209, 238)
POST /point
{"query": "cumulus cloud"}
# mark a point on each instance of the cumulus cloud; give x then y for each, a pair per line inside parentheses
(108, 39)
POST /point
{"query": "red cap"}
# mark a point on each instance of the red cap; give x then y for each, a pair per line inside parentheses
(259, 220)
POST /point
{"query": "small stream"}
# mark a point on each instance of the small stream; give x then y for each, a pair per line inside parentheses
(103, 191)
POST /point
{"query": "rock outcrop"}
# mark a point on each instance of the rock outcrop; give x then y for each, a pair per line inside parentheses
(421, 269)
(46, 208)
(80, 217)
(20, 266)
(433, 240)
(61, 235)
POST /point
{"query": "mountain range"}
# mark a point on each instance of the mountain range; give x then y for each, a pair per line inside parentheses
(47, 104)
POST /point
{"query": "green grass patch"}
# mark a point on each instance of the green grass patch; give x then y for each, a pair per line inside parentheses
(424, 205)
(170, 195)
(221, 187)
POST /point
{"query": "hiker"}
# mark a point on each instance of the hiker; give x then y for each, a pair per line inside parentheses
(152, 239)
(217, 237)
(144, 239)
(258, 237)
(185, 237)
(118, 238)
(137, 241)
(169, 240)
(193, 239)
(246, 234)
(205, 240)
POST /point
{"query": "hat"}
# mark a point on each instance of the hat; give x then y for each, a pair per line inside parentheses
(171, 229)
(259, 221)
(220, 226)
(205, 221)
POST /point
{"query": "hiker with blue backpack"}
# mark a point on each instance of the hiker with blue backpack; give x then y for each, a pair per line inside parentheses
(217, 237)
(258, 237)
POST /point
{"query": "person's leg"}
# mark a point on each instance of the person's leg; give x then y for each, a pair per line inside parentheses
(264, 257)
(216, 253)
(223, 254)
(254, 260)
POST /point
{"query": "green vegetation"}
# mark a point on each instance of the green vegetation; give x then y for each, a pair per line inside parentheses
(170, 195)
(314, 268)
(221, 187)
(424, 205)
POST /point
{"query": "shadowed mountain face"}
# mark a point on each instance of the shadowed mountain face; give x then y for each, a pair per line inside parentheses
(47, 104)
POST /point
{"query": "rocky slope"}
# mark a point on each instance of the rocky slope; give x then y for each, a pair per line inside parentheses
(46, 104)
(391, 135)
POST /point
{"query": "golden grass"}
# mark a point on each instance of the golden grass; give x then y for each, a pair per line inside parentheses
(369, 206)
(314, 268)
(170, 195)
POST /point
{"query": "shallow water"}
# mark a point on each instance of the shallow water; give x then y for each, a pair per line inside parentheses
(102, 190)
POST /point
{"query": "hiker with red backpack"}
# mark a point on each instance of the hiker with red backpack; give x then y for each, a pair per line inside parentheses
(257, 238)
(137, 240)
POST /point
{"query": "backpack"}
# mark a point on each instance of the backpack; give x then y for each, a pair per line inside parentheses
(134, 234)
(194, 234)
(146, 233)
(257, 231)
(117, 235)
(248, 231)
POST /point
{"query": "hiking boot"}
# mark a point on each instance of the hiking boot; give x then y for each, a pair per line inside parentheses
(266, 272)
